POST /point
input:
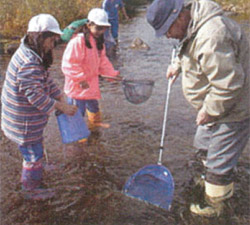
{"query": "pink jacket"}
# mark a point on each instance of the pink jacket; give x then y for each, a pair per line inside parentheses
(80, 63)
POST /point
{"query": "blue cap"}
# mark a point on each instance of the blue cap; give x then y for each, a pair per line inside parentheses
(161, 14)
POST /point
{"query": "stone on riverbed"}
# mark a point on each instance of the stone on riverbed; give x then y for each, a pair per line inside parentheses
(139, 44)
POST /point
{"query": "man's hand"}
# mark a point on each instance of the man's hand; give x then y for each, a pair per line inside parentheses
(203, 117)
(172, 73)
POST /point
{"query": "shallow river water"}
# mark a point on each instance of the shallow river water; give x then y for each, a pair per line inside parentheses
(88, 179)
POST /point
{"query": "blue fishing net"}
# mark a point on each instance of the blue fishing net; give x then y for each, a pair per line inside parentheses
(153, 184)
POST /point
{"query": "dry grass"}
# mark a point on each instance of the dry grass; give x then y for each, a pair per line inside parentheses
(236, 6)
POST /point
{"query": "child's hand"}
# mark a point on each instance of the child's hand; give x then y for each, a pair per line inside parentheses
(84, 84)
(66, 108)
(70, 109)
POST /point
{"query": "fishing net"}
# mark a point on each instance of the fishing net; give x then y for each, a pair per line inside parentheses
(137, 91)
(152, 184)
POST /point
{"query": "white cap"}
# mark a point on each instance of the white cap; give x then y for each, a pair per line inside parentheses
(44, 22)
(99, 17)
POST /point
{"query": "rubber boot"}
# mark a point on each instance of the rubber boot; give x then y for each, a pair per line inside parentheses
(215, 195)
(95, 120)
(83, 141)
(31, 180)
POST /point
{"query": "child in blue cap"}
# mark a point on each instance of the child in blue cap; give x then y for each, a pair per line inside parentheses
(112, 7)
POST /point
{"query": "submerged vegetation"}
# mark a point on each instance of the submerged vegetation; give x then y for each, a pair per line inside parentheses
(15, 14)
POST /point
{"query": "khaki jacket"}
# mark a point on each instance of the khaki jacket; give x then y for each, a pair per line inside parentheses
(214, 60)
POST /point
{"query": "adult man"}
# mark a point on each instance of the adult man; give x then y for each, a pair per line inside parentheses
(213, 58)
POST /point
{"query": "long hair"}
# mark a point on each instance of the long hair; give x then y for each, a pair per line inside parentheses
(35, 41)
(99, 41)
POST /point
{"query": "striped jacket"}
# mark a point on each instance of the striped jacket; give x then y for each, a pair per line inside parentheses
(28, 97)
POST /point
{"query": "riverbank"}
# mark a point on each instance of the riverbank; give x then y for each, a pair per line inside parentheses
(13, 23)
(13, 28)
(14, 19)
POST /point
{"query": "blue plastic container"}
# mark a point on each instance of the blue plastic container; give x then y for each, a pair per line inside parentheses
(72, 128)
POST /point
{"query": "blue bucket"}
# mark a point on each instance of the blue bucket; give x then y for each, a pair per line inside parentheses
(72, 128)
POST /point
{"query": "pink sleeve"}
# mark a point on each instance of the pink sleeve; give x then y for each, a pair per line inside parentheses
(106, 68)
(72, 61)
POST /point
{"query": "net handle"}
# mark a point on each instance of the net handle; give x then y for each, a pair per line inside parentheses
(112, 78)
(122, 79)
(166, 109)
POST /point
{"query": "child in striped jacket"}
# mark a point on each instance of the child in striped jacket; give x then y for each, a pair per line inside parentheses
(29, 95)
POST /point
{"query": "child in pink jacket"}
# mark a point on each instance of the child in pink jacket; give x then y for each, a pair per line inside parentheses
(84, 59)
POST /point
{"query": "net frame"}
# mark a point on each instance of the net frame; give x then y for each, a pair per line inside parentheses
(137, 91)
(153, 184)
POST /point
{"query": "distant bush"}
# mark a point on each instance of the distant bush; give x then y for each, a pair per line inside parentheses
(15, 14)
(238, 7)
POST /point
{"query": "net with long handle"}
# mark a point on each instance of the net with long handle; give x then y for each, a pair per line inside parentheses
(154, 183)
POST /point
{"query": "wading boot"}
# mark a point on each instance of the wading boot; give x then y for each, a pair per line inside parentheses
(197, 168)
(214, 204)
(201, 156)
(95, 120)
(31, 180)
(199, 181)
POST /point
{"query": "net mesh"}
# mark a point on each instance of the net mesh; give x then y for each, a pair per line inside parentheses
(153, 184)
(137, 91)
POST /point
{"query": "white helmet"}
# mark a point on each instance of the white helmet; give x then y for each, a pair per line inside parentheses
(44, 22)
(99, 17)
